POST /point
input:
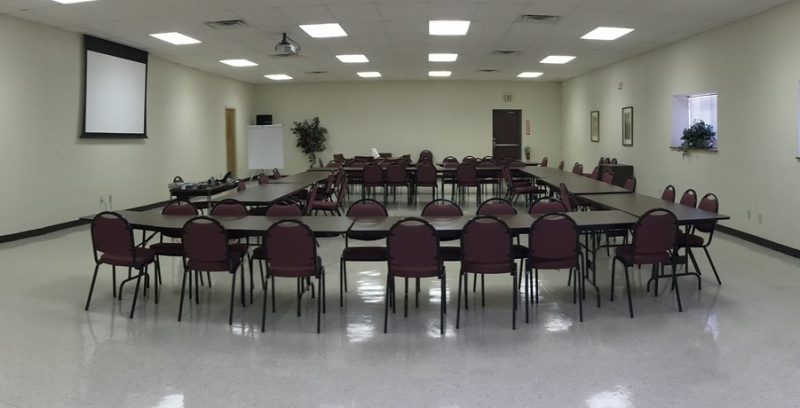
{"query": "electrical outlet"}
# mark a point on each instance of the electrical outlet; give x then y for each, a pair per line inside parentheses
(760, 218)
(748, 214)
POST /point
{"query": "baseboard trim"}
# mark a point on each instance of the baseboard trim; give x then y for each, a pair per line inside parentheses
(65, 225)
(787, 250)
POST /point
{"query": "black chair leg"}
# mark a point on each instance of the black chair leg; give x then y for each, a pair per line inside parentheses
(183, 292)
(263, 309)
(136, 292)
(458, 303)
(442, 305)
(91, 287)
(613, 273)
(713, 268)
(628, 289)
(690, 253)
(114, 281)
(677, 289)
(233, 296)
(386, 303)
(483, 291)
(341, 282)
(405, 298)
(514, 293)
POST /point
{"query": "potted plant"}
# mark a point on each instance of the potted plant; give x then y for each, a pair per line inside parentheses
(699, 136)
(527, 153)
(310, 138)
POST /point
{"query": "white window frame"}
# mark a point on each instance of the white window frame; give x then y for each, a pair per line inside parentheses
(681, 117)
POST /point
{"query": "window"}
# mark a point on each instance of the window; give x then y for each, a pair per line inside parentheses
(689, 109)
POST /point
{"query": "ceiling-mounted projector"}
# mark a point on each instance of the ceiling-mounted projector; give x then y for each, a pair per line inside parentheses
(287, 47)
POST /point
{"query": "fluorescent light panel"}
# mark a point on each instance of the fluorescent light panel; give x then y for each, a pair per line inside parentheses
(278, 77)
(448, 27)
(238, 63)
(175, 38)
(439, 73)
(324, 30)
(370, 74)
(352, 58)
(606, 33)
(71, 1)
(557, 59)
(442, 57)
(529, 75)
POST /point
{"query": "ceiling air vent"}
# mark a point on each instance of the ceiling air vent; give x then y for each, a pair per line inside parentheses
(537, 19)
(505, 52)
(226, 24)
(316, 72)
(487, 70)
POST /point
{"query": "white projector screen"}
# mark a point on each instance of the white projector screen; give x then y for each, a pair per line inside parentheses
(116, 87)
(265, 147)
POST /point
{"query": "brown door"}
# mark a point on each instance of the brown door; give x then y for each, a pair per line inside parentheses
(230, 139)
(507, 133)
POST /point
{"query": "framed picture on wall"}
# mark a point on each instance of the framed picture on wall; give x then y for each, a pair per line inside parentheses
(594, 127)
(627, 126)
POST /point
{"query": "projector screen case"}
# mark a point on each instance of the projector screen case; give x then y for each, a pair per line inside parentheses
(117, 89)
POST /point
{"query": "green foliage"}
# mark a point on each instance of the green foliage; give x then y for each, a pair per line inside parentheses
(311, 138)
(528, 150)
(700, 135)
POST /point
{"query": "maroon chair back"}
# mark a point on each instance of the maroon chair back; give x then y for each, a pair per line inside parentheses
(607, 160)
(466, 175)
(263, 179)
(291, 249)
(578, 169)
(566, 196)
(689, 198)
(367, 207)
(426, 175)
(614, 161)
(496, 206)
(276, 174)
(486, 246)
(413, 249)
(333, 164)
(708, 203)
(339, 158)
(229, 208)
(669, 193)
(516, 164)
(205, 244)
(241, 186)
(544, 162)
(396, 174)
(312, 196)
(442, 208)
(654, 234)
(341, 186)
(546, 205)
(425, 156)
(450, 159)
(112, 236)
(608, 177)
(373, 175)
(553, 241)
(595, 173)
(178, 207)
(486, 163)
(630, 184)
(284, 209)
(561, 165)
(468, 160)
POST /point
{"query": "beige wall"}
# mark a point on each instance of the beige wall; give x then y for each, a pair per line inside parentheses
(50, 176)
(754, 66)
(446, 117)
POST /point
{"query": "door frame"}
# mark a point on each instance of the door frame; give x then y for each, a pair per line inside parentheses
(494, 143)
(230, 140)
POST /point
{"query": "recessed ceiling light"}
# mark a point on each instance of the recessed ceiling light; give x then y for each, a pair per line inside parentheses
(175, 38)
(439, 73)
(448, 27)
(324, 30)
(71, 1)
(278, 77)
(352, 58)
(557, 59)
(238, 62)
(606, 33)
(439, 57)
(529, 75)
(371, 74)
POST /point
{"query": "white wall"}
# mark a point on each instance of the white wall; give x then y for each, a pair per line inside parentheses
(754, 64)
(50, 176)
(444, 116)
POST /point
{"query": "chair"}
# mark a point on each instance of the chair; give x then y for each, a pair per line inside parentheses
(161, 248)
(339, 157)
(561, 165)
(614, 161)
(426, 177)
(487, 176)
(291, 252)
(486, 248)
(689, 240)
(205, 248)
(467, 177)
(373, 177)
(241, 185)
(515, 189)
(608, 177)
(177, 179)
(263, 179)
(575, 167)
(607, 160)
(233, 208)
(652, 244)
(449, 159)
(333, 164)
(332, 206)
(468, 160)
(284, 208)
(630, 184)
(445, 208)
(547, 205)
(669, 193)
(426, 157)
(496, 206)
(689, 198)
(566, 197)
(397, 176)
(544, 162)
(276, 174)
(413, 252)
(113, 244)
(553, 244)
(595, 173)
(361, 208)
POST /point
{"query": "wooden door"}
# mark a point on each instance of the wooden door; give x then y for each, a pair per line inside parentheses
(507, 133)
(230, 139)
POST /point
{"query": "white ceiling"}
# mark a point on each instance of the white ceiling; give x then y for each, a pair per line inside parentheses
(392, 33)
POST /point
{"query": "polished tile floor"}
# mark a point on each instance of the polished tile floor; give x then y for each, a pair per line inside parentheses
(735, 345)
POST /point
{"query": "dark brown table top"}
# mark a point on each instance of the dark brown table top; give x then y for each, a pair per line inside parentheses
(638, 204)
(576, 184)
(256, 194)
(307, 178)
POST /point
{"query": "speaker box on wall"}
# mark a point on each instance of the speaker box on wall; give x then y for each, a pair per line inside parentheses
(263, 120)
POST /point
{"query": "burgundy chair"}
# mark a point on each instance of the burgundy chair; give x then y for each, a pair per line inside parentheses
(488, 177)
(373, 177)
(544, 162)
(397, 176)
(362, 208)
(331, 206)
(281, 209)
(467, 177)
(630, 184)
(241, 185)
(449, 159)
(205, 248)
(561, 165)
(276, 174)
(689, 198)
(426, 177)
(669, 193)
(175, 249)
(607, 160)
(546, 205)
(496, 206)
(566, 197)
(486, 248)
(339, 158)
(445, 208)
(263, 179)
(333, 164)
(413, 252)
(426, 157)
(234, 209)
(653, 243)
(595, 173)
(553, 244)
(614, 161)
(608, 177)
(689, 240)
(575, 168)
(515, 189)
(468, 160)
(291, 252)
(113, 244)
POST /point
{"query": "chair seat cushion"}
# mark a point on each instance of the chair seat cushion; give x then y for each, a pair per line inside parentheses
(479, 267)
(324, 205)
(625, 254)
(552, 263)
(168, 248)
(365, 254)
(526, 189)
(690, 240)
(142, 257)
(450, 253)
(296, 272)
(414, 272)
(520, 251)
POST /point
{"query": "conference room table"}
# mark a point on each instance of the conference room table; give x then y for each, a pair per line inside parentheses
(638, 204)
(200, 190)
(307, 177)
(576, 183)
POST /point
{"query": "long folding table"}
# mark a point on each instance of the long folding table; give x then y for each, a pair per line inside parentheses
(638, 204)
(576, 183)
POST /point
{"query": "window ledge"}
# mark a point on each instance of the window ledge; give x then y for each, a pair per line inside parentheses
(678, 149)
